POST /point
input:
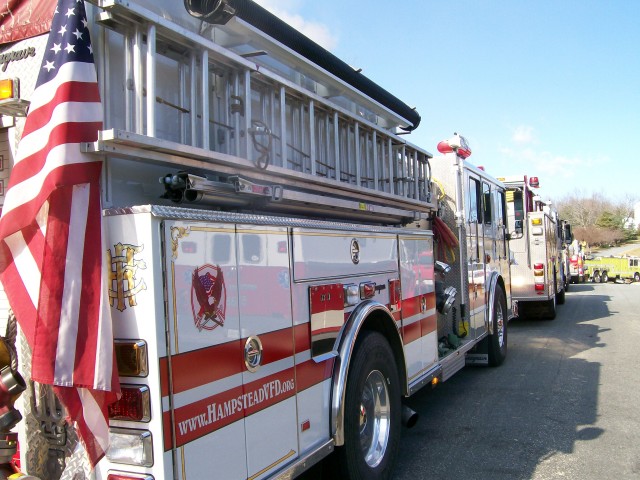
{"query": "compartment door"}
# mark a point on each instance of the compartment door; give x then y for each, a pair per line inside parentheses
(202, 380)
(266, 322)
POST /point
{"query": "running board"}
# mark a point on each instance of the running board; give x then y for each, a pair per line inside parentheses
(455, 361)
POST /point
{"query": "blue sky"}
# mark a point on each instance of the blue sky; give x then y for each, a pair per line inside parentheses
(547, 88)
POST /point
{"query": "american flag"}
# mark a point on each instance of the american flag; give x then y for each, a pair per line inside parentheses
(51, 248)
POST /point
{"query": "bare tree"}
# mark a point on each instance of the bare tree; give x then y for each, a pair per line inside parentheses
(597, 219)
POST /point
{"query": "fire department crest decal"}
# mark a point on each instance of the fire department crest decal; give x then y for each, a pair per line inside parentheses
(208, 297)
(123, 277)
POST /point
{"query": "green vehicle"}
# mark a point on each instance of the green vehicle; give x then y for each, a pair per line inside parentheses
(603, 269)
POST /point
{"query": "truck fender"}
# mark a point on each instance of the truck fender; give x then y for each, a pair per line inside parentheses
(345, 346)
(495, 281)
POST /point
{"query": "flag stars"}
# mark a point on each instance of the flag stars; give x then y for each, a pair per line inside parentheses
(70, 48)
(78, 34)
(63, 30)
(48, 66)
(70, 12)
(56, 48)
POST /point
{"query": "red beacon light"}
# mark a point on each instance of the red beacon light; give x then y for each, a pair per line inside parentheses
(457, 144)
(534, 183)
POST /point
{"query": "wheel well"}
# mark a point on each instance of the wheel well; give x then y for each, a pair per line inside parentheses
(380, 322)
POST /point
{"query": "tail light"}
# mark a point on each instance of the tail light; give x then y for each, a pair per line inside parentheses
(128, 476)
(131, 357)
(538, 274)
(134, 404)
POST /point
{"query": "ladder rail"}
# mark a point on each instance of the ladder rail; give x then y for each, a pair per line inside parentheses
(231, 97)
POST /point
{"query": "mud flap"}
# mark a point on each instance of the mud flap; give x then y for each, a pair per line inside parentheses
(479, 354)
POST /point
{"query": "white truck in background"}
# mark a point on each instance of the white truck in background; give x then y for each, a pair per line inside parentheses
(536, 281)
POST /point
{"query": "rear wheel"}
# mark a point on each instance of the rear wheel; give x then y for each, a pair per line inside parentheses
(372, 412)
(596, 277)
(561, 297)
(636, 277)
(498, 339)
(605, 277)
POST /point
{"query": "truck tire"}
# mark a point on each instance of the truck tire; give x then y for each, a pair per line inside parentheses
(636, 277)
(596, 277)
(605, 277)
(560, 296)
(552, 304)
(498, 340)
(372, 412)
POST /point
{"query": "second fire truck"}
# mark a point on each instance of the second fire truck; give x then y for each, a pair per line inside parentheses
(537, 283)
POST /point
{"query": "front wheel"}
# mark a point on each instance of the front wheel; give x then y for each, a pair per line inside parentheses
(498, 339)
(372, 412)
(636, 277)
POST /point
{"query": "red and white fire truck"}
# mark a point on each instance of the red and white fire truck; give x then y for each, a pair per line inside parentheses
(283, 270)
(536, 276)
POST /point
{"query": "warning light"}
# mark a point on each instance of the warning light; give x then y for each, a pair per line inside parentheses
(131, 358)
(534, 183)
(457, 144)
(10, 102)
(8, 89)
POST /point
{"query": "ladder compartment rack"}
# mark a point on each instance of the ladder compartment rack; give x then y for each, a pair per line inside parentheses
(177, 98)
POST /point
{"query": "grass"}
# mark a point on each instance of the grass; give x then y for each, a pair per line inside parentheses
(633, 253)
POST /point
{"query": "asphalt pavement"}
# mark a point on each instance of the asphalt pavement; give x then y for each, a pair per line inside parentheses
(564, 405)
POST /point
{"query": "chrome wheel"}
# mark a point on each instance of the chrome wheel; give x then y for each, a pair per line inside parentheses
(375, 415)
(500, 325)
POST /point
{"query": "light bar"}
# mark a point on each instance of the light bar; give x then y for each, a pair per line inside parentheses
(131, 447)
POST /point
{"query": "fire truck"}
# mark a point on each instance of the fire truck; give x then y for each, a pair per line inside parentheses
(602, 269)
(577, 266)
(536, 279)
(283, 270)
(565, 237)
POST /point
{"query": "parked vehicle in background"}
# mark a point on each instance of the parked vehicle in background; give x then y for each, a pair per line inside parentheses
(604, 269)
(576, 262)
(536, 275)
(565, 237)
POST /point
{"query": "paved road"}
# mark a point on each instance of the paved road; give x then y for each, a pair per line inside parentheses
(565, 405)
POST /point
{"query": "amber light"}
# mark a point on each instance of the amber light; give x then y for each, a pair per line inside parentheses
(395, 295)
(131, 357)
(536, 221)
(7, 89)
(134, 405)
